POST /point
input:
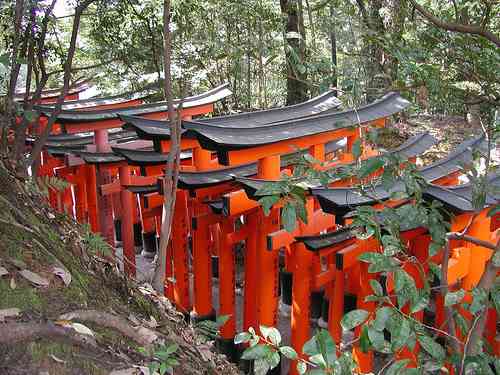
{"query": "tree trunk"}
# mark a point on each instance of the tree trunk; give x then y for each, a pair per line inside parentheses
(40, 142)
(296, 81)
(333, 44)
(173, 162)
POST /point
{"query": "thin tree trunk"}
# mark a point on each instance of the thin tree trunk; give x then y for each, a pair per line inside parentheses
(9, 119)
(40, 142)
(294, 53)
(173, 161)
(333, 44)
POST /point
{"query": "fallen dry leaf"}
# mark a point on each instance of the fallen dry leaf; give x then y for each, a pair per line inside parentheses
(152, 323)
(34, 278)
(80, 328)
(63, 274)
(148, 336)
(58, 360)
(137, 370)
(9, 313)
(3, 271)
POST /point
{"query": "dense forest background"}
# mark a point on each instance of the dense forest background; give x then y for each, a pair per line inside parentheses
(442, 54)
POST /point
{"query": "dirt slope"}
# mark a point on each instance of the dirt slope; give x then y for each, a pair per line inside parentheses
(123, 318)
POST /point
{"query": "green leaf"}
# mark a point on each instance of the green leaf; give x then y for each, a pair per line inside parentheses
(310, 347)
(364, 340)
(275, 336)
(376, 338)
(379, 262)
(326, 346)
(377, 288)
(289, 217)
(356, 149)
(400, 334)
(370, 166)
(435, 269)
(310, 159)
(4, 59)
(434, 248)
(221, 320)
(242, 337)
(432, 347)
(354, 318)
(452, 298)
(318, 359)
(274, 359)
(172, 348)
(288, 352)
(462, 324)
(495, 210)
(265, 331)
(419, 303)
(301, 367)
(268, 202)
(300, 208)
(479, 300)
(256, 352)
(381, 317)
(261, 366)
(496, 259)
(397, 366)
(30, 116)
(163, 369)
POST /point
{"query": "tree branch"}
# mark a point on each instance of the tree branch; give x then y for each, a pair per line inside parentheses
(456, 27)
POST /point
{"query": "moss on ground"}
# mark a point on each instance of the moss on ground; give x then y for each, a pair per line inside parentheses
(23, 296)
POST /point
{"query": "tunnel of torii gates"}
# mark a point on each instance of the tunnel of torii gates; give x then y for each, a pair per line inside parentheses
(115, 176)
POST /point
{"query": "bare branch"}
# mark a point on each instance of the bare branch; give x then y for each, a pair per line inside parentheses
(456, 27)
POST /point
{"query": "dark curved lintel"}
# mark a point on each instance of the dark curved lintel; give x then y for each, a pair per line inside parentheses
(224, 140)
(144, 189)
(76, 116)
(99, 157)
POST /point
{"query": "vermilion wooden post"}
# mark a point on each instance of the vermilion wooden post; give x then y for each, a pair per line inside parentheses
(169, 273)
(336, 307)
(127, 222)
(364, 360)
(479, 228)
(180, 232)
(227, 282)
(301, 291)
(251, 281)
(80, 195)
(91, 188)
(202, 271)
(202, 159)
(301, 297)
(268, 268)
(104, 202)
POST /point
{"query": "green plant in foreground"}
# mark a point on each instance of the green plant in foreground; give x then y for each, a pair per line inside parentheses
(320, 353)
(163, 359)
(94, 243)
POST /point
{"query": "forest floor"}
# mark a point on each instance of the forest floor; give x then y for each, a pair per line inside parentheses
(66, 309)
(450, 131)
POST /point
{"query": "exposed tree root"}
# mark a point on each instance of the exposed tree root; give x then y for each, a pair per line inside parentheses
(141, 335)
(12, 333)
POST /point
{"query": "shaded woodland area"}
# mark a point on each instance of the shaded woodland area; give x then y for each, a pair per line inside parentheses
(441, 56)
